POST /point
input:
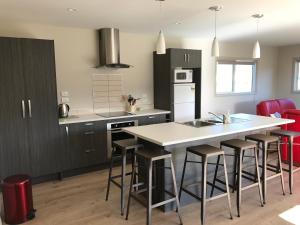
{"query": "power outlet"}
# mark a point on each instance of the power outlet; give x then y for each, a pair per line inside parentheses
(65, 99)
(64, 94)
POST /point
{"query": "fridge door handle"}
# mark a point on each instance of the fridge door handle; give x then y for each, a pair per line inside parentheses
(23, 109)
(29, 108)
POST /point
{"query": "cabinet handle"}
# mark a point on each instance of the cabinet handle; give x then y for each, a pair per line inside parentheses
(89, 150)
(89, 124)
(188, 57)
(23, 109)
(29, 108)
(151, 117)
(89, 132)
(67, 130)
(185, 57)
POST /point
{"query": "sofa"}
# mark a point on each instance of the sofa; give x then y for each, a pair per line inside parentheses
(287, 109)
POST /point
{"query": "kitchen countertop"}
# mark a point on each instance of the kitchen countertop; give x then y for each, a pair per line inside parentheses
(94, 117)
(167, 134)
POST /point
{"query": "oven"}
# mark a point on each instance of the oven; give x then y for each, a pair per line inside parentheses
(115, 132)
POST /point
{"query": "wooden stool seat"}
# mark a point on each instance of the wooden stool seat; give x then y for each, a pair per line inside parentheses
(238, 144)
(153, 155)
(205, 150)
(127, 144)
(262, 138)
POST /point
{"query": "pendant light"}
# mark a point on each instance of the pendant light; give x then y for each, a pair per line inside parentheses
(256, 47)
(161, 43)
(215, 51)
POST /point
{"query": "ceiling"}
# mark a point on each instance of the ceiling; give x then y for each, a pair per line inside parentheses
(280, 26)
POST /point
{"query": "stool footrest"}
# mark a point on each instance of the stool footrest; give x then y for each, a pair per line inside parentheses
(163, 203)
(217, 187)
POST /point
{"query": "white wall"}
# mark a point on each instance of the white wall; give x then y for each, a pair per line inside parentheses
(285, 72)
(76, 55)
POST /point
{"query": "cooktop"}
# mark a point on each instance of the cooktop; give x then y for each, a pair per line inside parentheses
(114, 114)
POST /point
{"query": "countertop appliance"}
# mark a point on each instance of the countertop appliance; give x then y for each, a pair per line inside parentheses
(183, 76)
(115, 132)
(184, 102)
(63, 110)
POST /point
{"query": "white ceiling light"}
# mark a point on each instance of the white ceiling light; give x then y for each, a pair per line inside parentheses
(161, 43)
(256, 47)
(215, 51)
(72, 9)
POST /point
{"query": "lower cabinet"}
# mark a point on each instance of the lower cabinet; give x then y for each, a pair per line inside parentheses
(152, 119)
(84, 145)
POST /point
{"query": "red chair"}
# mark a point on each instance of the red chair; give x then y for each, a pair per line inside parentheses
(287, 109)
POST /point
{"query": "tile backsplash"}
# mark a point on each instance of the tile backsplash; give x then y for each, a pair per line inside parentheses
(108, 93)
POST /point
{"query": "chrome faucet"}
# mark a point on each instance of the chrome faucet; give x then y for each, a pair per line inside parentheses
(224, 119)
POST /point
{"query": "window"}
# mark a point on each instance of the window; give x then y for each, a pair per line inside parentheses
(296, 83)
(235, 77)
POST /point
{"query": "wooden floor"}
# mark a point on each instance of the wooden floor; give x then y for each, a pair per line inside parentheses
(80, 200)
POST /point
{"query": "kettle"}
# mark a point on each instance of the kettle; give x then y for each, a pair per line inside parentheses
(63, 110)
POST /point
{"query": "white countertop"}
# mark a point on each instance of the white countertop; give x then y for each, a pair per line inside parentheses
(165, 134)
(94, 117)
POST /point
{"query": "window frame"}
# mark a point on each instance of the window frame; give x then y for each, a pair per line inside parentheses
(235, 62)
(296, 67)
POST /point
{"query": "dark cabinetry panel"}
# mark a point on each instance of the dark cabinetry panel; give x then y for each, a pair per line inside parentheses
(152, 119)
(39, 70)
(185, 58)
(85, 144)
(14, 151)
(29, 131)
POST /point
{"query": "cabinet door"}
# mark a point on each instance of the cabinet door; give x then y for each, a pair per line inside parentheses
(178, 58)
(76, 145)
(64, 160)
(14, 154)
(41, 103)
(152, 119)
(193, 58)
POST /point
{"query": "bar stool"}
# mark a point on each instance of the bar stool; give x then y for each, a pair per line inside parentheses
(265, 141)
(205, 152)
(149, 157)
(290, 135)
(240, 146)
(124, 146)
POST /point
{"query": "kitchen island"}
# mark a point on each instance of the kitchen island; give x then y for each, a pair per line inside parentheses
(176, 137)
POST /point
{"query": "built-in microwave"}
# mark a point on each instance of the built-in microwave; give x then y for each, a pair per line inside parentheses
(183, 76)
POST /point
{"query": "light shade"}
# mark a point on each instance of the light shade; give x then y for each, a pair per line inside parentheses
(161, 43)
(256, 50)
(215, 51)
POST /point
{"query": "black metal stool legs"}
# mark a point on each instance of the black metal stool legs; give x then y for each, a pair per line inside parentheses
(182, 177)
(215, 176)
(280, 167)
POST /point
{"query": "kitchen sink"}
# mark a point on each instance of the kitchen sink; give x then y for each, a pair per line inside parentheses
(198, 123)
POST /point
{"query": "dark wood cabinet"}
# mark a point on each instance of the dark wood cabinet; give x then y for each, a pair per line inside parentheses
(164, 67)
(185, 58)
(152, 119)
(29, 124)
(84, 145)
(14, 150)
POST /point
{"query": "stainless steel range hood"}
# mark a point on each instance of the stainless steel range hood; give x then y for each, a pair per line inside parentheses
(109, 48)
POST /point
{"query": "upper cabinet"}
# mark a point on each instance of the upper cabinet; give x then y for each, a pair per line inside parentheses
(185, 58)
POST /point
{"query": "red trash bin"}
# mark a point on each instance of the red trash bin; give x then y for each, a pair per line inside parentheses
(17, 199)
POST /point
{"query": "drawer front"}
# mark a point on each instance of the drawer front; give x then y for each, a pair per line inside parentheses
(152, 119)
